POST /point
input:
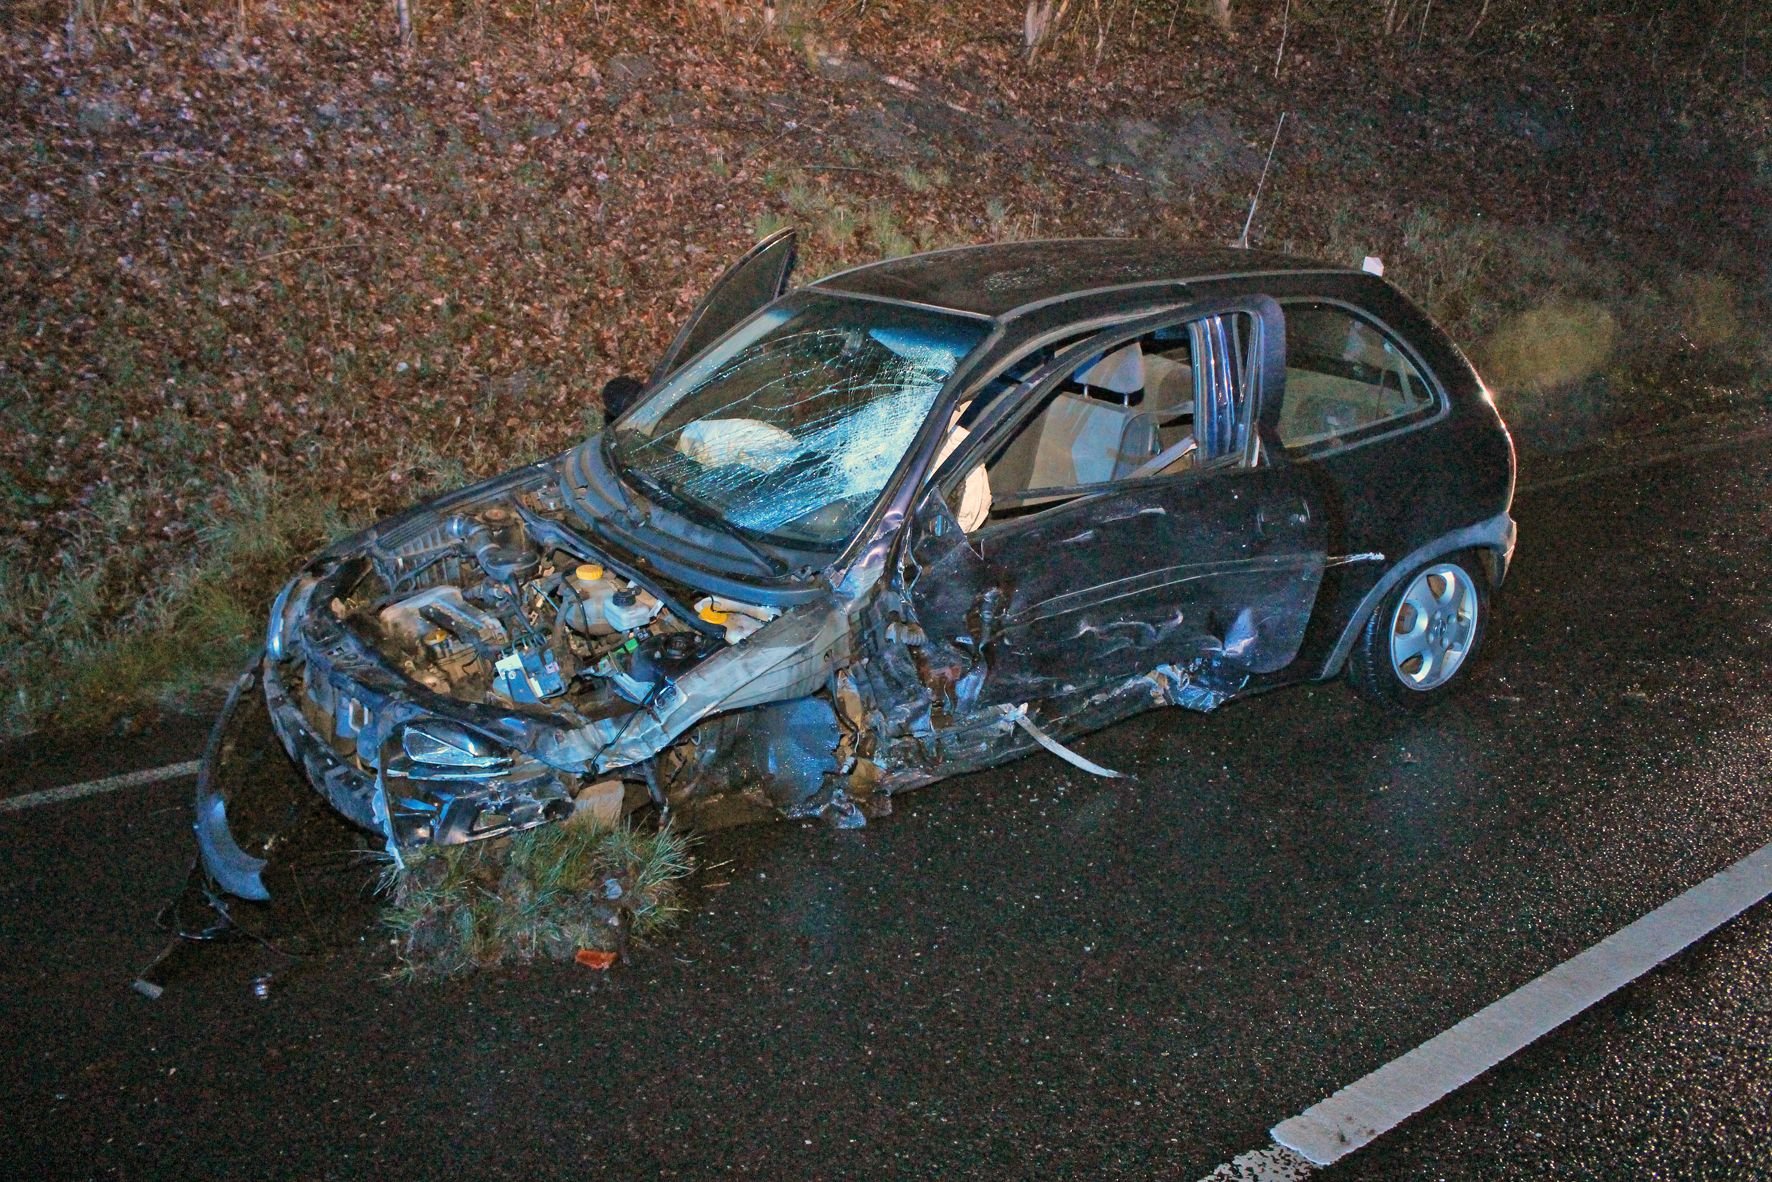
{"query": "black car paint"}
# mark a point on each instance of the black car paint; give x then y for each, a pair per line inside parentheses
(1294, 560)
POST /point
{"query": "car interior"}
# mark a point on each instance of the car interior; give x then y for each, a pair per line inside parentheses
(1342, 375)
(1145, 408)
(1127, 414)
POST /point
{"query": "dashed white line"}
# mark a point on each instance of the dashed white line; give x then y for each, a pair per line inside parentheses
(1371, 1106)
(155, 775)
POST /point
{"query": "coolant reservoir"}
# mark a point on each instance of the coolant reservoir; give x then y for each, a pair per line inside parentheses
(629, 608)
(593, 590)
(739, 619)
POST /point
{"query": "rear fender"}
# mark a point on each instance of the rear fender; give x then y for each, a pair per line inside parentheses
(1493, 538)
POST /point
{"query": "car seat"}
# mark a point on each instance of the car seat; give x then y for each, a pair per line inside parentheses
(1083, 439)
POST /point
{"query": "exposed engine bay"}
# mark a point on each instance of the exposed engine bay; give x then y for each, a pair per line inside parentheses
(491, 615)
(465, 672)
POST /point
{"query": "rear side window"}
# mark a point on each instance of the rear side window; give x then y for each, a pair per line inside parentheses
(1344, 377)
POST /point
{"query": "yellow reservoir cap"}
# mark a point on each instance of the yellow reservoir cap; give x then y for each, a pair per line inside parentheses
(713, 615)
(588, 572)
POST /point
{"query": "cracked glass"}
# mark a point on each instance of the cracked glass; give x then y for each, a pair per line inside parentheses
(791, 427)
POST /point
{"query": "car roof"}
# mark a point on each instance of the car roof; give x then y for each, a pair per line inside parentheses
(1003, 279)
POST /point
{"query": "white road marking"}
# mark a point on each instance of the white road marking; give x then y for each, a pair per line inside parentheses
(31, 800)
(1645, 462)
(1371, 1106)
(1276, 1163)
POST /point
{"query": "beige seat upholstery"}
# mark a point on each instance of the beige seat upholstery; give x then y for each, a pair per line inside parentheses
(1084, 439)
(1119, 372)
(1168, 384)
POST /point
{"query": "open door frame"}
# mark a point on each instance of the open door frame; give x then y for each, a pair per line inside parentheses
(758, 278)
(1217, 566)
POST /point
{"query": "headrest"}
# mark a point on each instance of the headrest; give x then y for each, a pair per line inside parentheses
(1120, 372)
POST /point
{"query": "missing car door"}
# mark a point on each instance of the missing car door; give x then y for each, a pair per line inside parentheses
(1094, 565)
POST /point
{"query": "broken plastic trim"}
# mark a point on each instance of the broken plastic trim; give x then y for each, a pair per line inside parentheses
(1019, 716)
(233, 869)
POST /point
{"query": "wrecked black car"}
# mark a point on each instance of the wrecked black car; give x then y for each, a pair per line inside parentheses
(914, 519)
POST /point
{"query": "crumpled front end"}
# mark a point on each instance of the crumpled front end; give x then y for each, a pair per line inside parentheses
(470, 669)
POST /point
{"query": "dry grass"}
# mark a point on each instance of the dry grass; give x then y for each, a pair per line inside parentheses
(545, 893)
(82, 643)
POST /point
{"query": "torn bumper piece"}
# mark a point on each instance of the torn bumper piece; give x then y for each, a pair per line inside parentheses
(490, 788)
(232, 868)
(407, 802)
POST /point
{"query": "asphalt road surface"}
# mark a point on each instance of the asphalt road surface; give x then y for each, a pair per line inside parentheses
(1029, 972)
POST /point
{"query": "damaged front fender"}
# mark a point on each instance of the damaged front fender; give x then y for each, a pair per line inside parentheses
(790, 658)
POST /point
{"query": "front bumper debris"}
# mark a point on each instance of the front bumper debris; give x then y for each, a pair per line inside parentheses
(232, 868)
(406, 810)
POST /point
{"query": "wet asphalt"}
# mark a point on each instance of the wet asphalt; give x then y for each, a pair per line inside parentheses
(1028, 972)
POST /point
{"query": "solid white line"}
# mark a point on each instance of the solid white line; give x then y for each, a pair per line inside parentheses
(1373, 1105)
(1276, 1163)
(31, 800)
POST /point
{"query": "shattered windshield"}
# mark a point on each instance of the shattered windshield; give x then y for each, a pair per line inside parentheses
(791, 427)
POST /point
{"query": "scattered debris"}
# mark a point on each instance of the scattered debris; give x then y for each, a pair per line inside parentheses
(1019, 715)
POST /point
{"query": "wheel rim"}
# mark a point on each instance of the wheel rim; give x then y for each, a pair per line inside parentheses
(1433, 626)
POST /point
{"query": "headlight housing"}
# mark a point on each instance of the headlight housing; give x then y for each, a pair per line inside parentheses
(439, 750)
(286, 612)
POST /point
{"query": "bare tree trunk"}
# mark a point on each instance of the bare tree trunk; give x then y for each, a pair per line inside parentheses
(403, 22)
(1221, 14)
(1042, 22)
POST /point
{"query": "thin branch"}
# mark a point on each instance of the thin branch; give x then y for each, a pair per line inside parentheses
(1285, 26)
(1249, 221)
(277, 254)
(1482, 15)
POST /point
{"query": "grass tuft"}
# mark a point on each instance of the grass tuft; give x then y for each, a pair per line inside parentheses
(81, 645)
(889, 238)
(545, 893)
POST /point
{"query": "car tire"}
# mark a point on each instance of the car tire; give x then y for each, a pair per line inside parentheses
(1423, 637)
